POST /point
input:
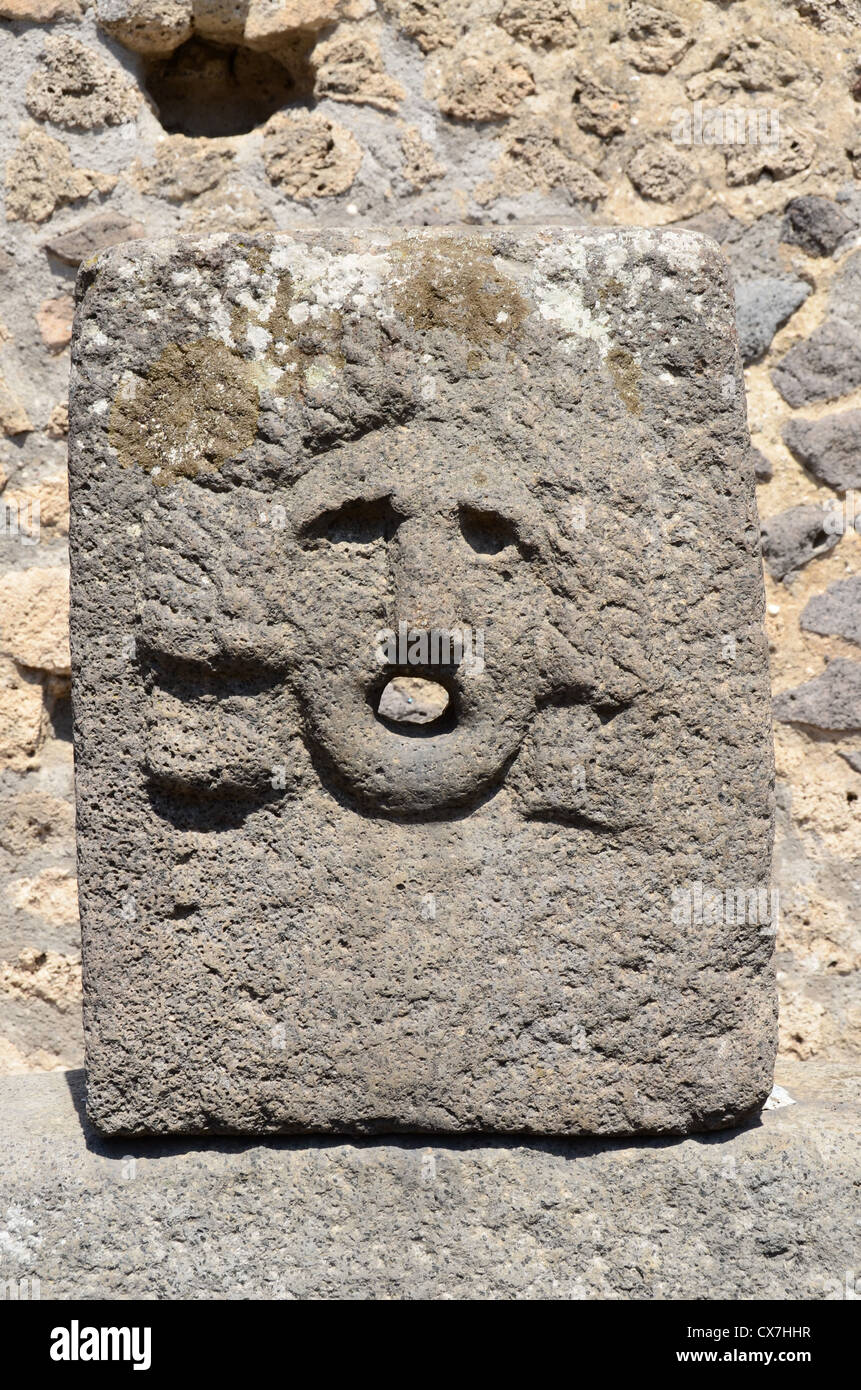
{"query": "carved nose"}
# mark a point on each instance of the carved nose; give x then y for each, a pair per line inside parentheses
(425, 574)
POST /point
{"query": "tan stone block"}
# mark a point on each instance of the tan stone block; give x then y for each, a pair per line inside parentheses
(42, 509)
(183, 168)
(420, 164)
(45, 975)
(22, 716)
(482, 85)
(269, 20)
(14, 1062)
(73, 86)
(40, 11)
(54, 318)
(152, 27)
(350, 68)
(34, 619)
(58, 424)
(13, 417)
(40, 177)
(310, 156)
(52, 894)
(36, 821)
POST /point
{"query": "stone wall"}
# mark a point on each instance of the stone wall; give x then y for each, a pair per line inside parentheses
(141, 117)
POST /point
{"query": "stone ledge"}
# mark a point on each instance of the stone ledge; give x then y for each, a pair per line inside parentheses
(759, 1212)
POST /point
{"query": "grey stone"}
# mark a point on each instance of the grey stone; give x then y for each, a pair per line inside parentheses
(791, 539)
(297, 916)
(762, 306)
(761, 1213)
(827, 365)
(97, 233)
(853, 758)
(815, 224)
(763, 471)
(829, 448)
(837, 612)
(830, 701)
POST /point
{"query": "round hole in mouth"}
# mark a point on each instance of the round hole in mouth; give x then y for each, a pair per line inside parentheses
(413, 700)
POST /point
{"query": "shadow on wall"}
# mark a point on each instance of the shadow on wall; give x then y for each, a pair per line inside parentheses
(209, 89)
(124, 1148)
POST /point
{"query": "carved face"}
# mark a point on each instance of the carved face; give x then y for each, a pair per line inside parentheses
(424, 527)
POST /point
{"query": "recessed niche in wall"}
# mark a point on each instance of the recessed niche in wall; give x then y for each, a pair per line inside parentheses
(211, 90)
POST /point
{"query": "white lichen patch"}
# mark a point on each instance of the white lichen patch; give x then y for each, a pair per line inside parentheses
(327, 283)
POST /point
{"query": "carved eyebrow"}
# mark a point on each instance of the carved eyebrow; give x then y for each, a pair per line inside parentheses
(332, 496)
(488, 529)
(359, 520)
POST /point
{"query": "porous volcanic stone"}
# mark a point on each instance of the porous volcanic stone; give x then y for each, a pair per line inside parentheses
(791, 539)
(299, 916)
(829, 448)
(830, 701)
(837, 612)
(762, 306)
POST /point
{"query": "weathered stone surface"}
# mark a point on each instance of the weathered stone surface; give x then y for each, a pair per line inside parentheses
(541, 23)
(268, 21)
(659, 171)
(823, 367)
(815, 224)
(657, 38)
(153, 27)
(831, 701)
(307, 440)
(751, 162)
(756, 1214)
(537, 156)
(53, 894)
(420, 164)
(39, 11)
(183, 168)
(309, 156)
(410, 700)
(97, 233)
(828, 363)
(13, 415)
(350, 68)
(837, 612)
(227, 207)
(74, 87)
(40, 177)
(791, 539)
(829, 448)
(34, 620)
(480, 88)
(762, 468)
(763, 305)
(22, 716)
(432, 23)
(54, 317)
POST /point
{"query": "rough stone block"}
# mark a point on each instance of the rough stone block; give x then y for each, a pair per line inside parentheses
(761, 1213)
(543, 910)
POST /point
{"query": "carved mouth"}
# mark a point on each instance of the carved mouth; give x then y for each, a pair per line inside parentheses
(415, 700)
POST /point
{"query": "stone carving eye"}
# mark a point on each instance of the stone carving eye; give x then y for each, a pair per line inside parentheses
(358, 522)
(486, 532)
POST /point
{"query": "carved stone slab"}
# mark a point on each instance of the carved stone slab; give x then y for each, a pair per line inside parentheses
(421, 708)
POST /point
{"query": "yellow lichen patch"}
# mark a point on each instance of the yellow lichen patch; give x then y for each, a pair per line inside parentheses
(453, 283)
(625, 371)
(196, 408)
